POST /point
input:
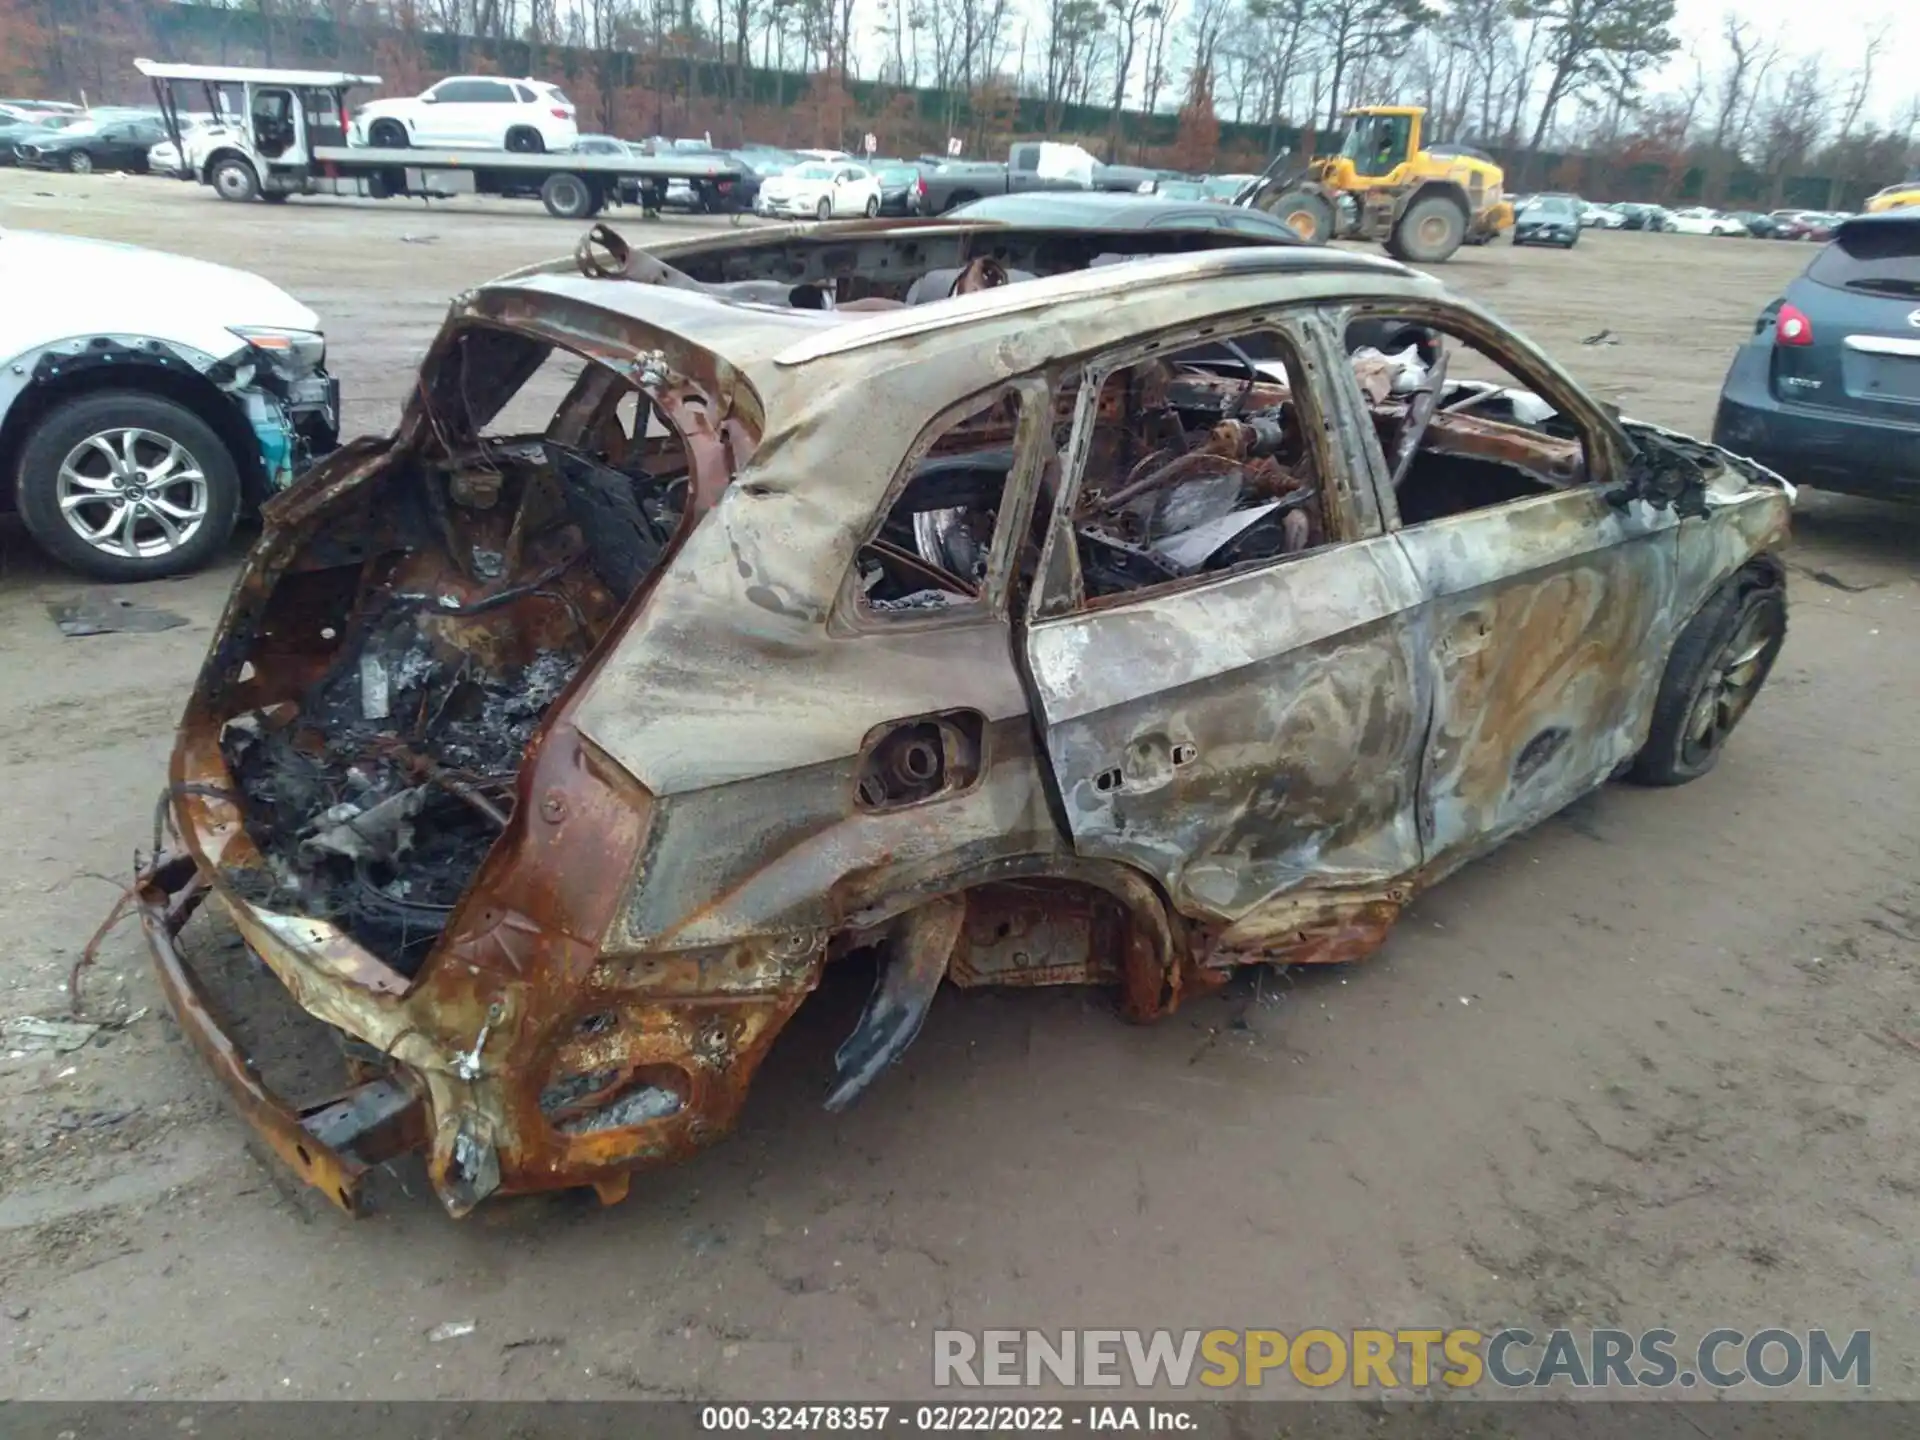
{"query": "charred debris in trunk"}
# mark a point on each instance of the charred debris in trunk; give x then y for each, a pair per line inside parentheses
(454, 604)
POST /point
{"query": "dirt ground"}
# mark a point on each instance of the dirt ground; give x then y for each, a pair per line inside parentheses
(1655, 1063)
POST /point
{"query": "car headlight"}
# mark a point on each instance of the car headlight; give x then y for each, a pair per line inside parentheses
(292, 352)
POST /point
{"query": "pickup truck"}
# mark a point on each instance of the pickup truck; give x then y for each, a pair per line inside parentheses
(1030, 165)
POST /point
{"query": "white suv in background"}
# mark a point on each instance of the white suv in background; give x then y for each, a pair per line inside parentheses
(471, 112)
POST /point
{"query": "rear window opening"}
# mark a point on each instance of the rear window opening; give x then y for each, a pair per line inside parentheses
(413, 654)
(1873, 258)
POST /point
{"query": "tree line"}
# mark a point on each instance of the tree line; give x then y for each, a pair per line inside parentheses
(1560, 89)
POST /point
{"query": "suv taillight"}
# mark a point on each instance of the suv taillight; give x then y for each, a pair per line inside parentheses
(560, 113)
(1791, 326)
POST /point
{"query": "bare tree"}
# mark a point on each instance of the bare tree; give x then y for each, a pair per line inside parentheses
(1160, 18)
(1129, 16)
(1743, 53)
(1360, 32)
(1073, 29)
(1205, 26)
(1857, 92)
(1276, 33)
(1790, 122)
(1584, 38)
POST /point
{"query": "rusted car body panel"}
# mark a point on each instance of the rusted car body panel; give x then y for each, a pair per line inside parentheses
(558, 832)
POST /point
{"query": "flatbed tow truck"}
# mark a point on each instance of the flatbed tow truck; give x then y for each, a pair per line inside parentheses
(284, 132)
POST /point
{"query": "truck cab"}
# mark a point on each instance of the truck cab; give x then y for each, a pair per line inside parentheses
(274, 122)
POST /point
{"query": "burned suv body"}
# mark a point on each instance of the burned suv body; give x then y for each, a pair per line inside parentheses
(1077, 622)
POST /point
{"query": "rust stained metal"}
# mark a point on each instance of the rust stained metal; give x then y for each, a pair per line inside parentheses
(330, 1145)
(1143, 788)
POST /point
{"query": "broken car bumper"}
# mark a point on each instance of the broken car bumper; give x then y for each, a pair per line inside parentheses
(330, 1145)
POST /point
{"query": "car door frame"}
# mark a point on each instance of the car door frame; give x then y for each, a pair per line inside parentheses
(456, 123)
(481, 131)
(837, 188)
(1484, 574)
(1279, 813)
(435, 112)
(113, 147)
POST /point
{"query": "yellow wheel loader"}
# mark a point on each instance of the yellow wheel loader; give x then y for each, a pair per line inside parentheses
(1895, 197)
(1422, 204)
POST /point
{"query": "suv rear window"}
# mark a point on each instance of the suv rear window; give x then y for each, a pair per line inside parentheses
(1877, 259)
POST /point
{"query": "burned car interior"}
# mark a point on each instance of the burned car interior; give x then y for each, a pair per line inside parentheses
(429, 633)
(393, 775)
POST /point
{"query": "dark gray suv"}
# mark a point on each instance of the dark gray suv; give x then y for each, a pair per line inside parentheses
(1828, 389)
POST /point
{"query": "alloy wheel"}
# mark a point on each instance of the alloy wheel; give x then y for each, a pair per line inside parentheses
(133, 493)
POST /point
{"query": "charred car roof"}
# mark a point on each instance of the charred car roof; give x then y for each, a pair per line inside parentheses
(1065, 272)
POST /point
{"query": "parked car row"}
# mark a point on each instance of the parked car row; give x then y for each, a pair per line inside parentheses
(108, 137)
(1786, 224)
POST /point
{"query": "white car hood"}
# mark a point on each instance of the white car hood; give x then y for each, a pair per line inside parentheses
(62, 286)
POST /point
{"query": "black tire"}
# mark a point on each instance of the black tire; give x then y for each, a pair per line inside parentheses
(873, 206)
(524, 140)
(37, 487)
(80, 162)
(387, 135)
(1720, 661)
(1428, 231)
(824, 210)
(1304, 213)
(233, 179)
(567, 196)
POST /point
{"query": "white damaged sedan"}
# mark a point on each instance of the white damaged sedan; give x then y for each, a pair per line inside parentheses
(147, 399)
(821, 189)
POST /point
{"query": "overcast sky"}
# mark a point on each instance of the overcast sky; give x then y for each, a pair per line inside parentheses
(1837, 29)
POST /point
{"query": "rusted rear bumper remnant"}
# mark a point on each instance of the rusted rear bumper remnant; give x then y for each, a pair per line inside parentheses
(332, 1144)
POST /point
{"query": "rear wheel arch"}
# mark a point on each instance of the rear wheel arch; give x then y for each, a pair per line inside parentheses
(1156, 935)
